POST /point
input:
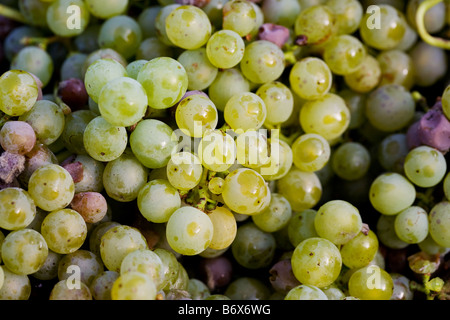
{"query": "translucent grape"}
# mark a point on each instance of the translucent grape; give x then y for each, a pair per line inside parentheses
(280, 160)
(134, 67)
(301, 226)
(98, 9)
(252, 149)
(411, 225)
(92, 174)
(160, 22)
(225, 49)
(184, 170)
(316, 23)
(360, 251)
(365, 78)
(227, 83)
(344, 54)
(245, 111)
(36, 61)
(15, 286)
(90, 265)
(146, 20)
(147, 262)
(306, 292)
(75, 125)
(60, 17)
(425, 166)
(396, 67)
(316, 262)
(19, 92)
(371, 283)
(311, 152)
(351, 161)
(348, 14)
(281, 12)
(133, 286)
(386, 232)
(439, 223)
(239, 16)
(279, 102)
(96, 235)
(215, 185)
(217, 151)
(201, 72)
(247, 288)
(276, 216)
(225, 228)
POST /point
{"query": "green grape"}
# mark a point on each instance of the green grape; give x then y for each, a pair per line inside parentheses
(252, 149)
(104, 141)
(184, 170)
(316, 23)
(157, 200)
(390, 193)
(225, 49)
(36, 61)
(360, 251)
(34, 12)
(392, 152)
(276, 216)
(430, 63)
(316, 262)
(446, 186)
(64, 230)
(311, 152)
(147, 262)
(99, 73)
(227, 83)
(425, 166)
(214, 10)
(327, 116)
(386, 31)
(386, 233)
(180, 284)
(15, 286)
(396, 67)
(283, 12)
(411, 225)
(51, 187)
(106, 53)
(122, 34)
(397, 100)
(408, 40)
(301, 226)
(239, 16)
(310, 78)
(344, 54)
(170, 266)
(90, 265)
(102, 284)
(18, 92)
(122, 102)
(244, 111)
(189, 231)
(77, 290)
(306, 292)
(17, 137)
(351, 161)
(188, 27)
(253, 248)
(47, 119)
(365, 78)
(217, 150)
(201, 72)
(371, 283)
(280, 160)
(302, 189)
(430, 246)
(2, 237)
(263, 61)
(259, 21)
(215, 185)
(165, 80)
(247, 288)
(92, 174)
(68, 18)
(133, 286)
(24, 251)
(333, 292)
(195, 115)
(225, 228)
(74, 127)
(279, 102)
(348, 14)
(98, 8)
(134, 67)
(160, 22)
(152, 142)
(198, 290)
(96, 234)
(338, 221)
(49, 269)
(439, 223)
(245, 192)
(124, 177)
(146, 20)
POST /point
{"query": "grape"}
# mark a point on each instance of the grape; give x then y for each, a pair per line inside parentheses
(13, 42)
(348, 14)
(225, 49)
(425, 166)
(239, 16)
(75, 291)
(245, 111)
(15, 286)
(338, 221)
(344, 54)
(301, 226)
(146, 20)
(402, 289)
(74, 127)
(386, 232)
(153, 143)
(316, 23)
(392, 152)
(49, 269)
(365, 78)
(252, 247)
(160, 22)
(311, 78)
(134, 67)
(316, 262)
(19, 92)
(201, 72)
(96, 234)
(105, 53)
(86, 42)
(327, 116)
(280, 160)
(411, 225)
(47, 120)
(276, 216)
(439, 220)
(279, 102)
(99, 73)
(92, 206)
(351, 161)
(188, 27)
(247, 288)
(36, 61)
(97, 132)
(34, 12)
(225, 228)
(184, 171)
(197, 289)
(98, 9)
(171, 84)
(396, 67)
(189, 231)
(306, 292)
(227, 83)
(371, 283)
(146, 262)
(263, 61)
(157, 200)
(92, 174)
(61, 20)
(252, 149)
(281, 12)
(17, 137)
(215, 185)
(429, 63)
(102, 284)
(434, 18)
(311, 152)
(391, 193)
(277, 34)
(217, 151)
(89, 264)
(245, 191)
(51, 187)
(360, 251)
(390, 108)
(24, 251)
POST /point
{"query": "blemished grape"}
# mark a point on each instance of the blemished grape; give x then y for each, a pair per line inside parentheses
(276, 216)
(411, 225)
(311, 152)
(439, 221)
(147, 262)
(184, 170)
(201, 72)
(301, 226)
(225, 228)
(19, 92)
(244, 111)
(239, 16)
(371, 283)
(279, 102)
(18, 209)
(225, 49)
(425, 166)
(227, 83)
(306, 292)
(344, 54)
(316, 23)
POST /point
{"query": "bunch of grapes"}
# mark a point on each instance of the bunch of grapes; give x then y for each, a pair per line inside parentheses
(224, 150)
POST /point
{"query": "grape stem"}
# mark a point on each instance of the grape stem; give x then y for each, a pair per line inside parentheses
(12, 14)
(421, 29)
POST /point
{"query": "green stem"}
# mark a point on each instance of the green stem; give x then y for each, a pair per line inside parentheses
(421, 29)
(12, 14)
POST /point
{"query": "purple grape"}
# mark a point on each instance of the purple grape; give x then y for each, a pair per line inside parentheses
(434, 129)
(274, 33)
(281, 276)
(73, 93)
(217, 272)
(11, 165)
(412, 136)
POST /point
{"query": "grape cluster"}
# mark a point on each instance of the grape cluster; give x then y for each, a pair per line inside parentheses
(224, 150)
